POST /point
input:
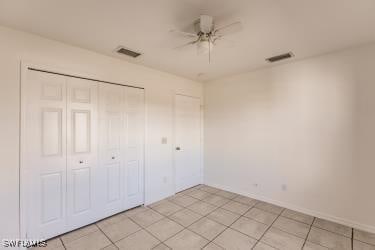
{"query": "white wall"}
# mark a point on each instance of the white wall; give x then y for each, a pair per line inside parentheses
(309, 125)
(160, 89)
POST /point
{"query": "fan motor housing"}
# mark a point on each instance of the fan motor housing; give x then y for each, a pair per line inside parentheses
(197, 26)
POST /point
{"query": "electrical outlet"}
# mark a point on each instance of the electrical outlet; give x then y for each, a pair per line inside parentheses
(164, 140)
(255, 185)
(165, 179)
(284, 187)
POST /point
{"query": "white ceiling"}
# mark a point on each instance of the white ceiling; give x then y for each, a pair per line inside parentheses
(270, 27)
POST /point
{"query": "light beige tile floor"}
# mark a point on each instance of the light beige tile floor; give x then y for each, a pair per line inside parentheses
(204, 217)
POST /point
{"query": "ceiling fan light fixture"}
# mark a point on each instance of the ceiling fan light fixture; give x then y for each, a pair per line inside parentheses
(207, 35)
(204, 47)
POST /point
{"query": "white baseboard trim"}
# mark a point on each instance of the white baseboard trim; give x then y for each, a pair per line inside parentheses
(343, 221)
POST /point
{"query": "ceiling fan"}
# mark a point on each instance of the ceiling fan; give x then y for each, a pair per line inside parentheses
(207, 35)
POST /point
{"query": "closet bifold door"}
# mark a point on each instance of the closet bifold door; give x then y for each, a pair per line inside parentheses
(121, 140)
(43, 172)
(135, 126)
(82, 152)
(112, 148)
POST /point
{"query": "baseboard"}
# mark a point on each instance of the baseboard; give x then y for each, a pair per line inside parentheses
(343, 221)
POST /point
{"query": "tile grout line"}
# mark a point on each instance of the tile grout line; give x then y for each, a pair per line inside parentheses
(112, 243)
(312, 225)
(283, 230)
(221, 206)
(168, 217)
(203, 216)
(217, 207)
(127, 236)
(268, 228)
(62, 242)
(144, 228)
(307, 236)
(96, 225)
(323, 229)
(183, 207)
(84, 235)
(251, 219)
(128, 217)
(241, 215)
(230, 224)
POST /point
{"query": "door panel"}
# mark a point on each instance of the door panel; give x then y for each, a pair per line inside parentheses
(113, 181)
(81, 190)
(51, 197)
(44, 154)
(112, 148)
(134, 146)
(121, 147)
(81, 131)
(51, 131)
(82, 151)
(188, 168)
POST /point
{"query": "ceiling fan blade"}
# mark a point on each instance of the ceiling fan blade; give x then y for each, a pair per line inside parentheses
(186, 44)
(206, 23)
(223, 42)
(185, 34)
(228, 29)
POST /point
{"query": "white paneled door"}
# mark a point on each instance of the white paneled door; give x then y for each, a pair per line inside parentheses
(44, 154)
(82, 152)
(187, 160)
(121, 121)
(112, 148)
(134, 117)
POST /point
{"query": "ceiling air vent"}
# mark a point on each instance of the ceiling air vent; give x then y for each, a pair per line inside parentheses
(128, 52)
(280, 57)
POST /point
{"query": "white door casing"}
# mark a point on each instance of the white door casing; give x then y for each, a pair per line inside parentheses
(187, 160)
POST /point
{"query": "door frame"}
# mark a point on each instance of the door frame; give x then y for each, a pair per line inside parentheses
(174, 138)
(24, 66)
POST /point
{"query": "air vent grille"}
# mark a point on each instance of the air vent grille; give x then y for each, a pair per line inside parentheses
(128, 52)
(280, 57)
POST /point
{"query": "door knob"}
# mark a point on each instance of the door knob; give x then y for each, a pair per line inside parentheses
(178, 148)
